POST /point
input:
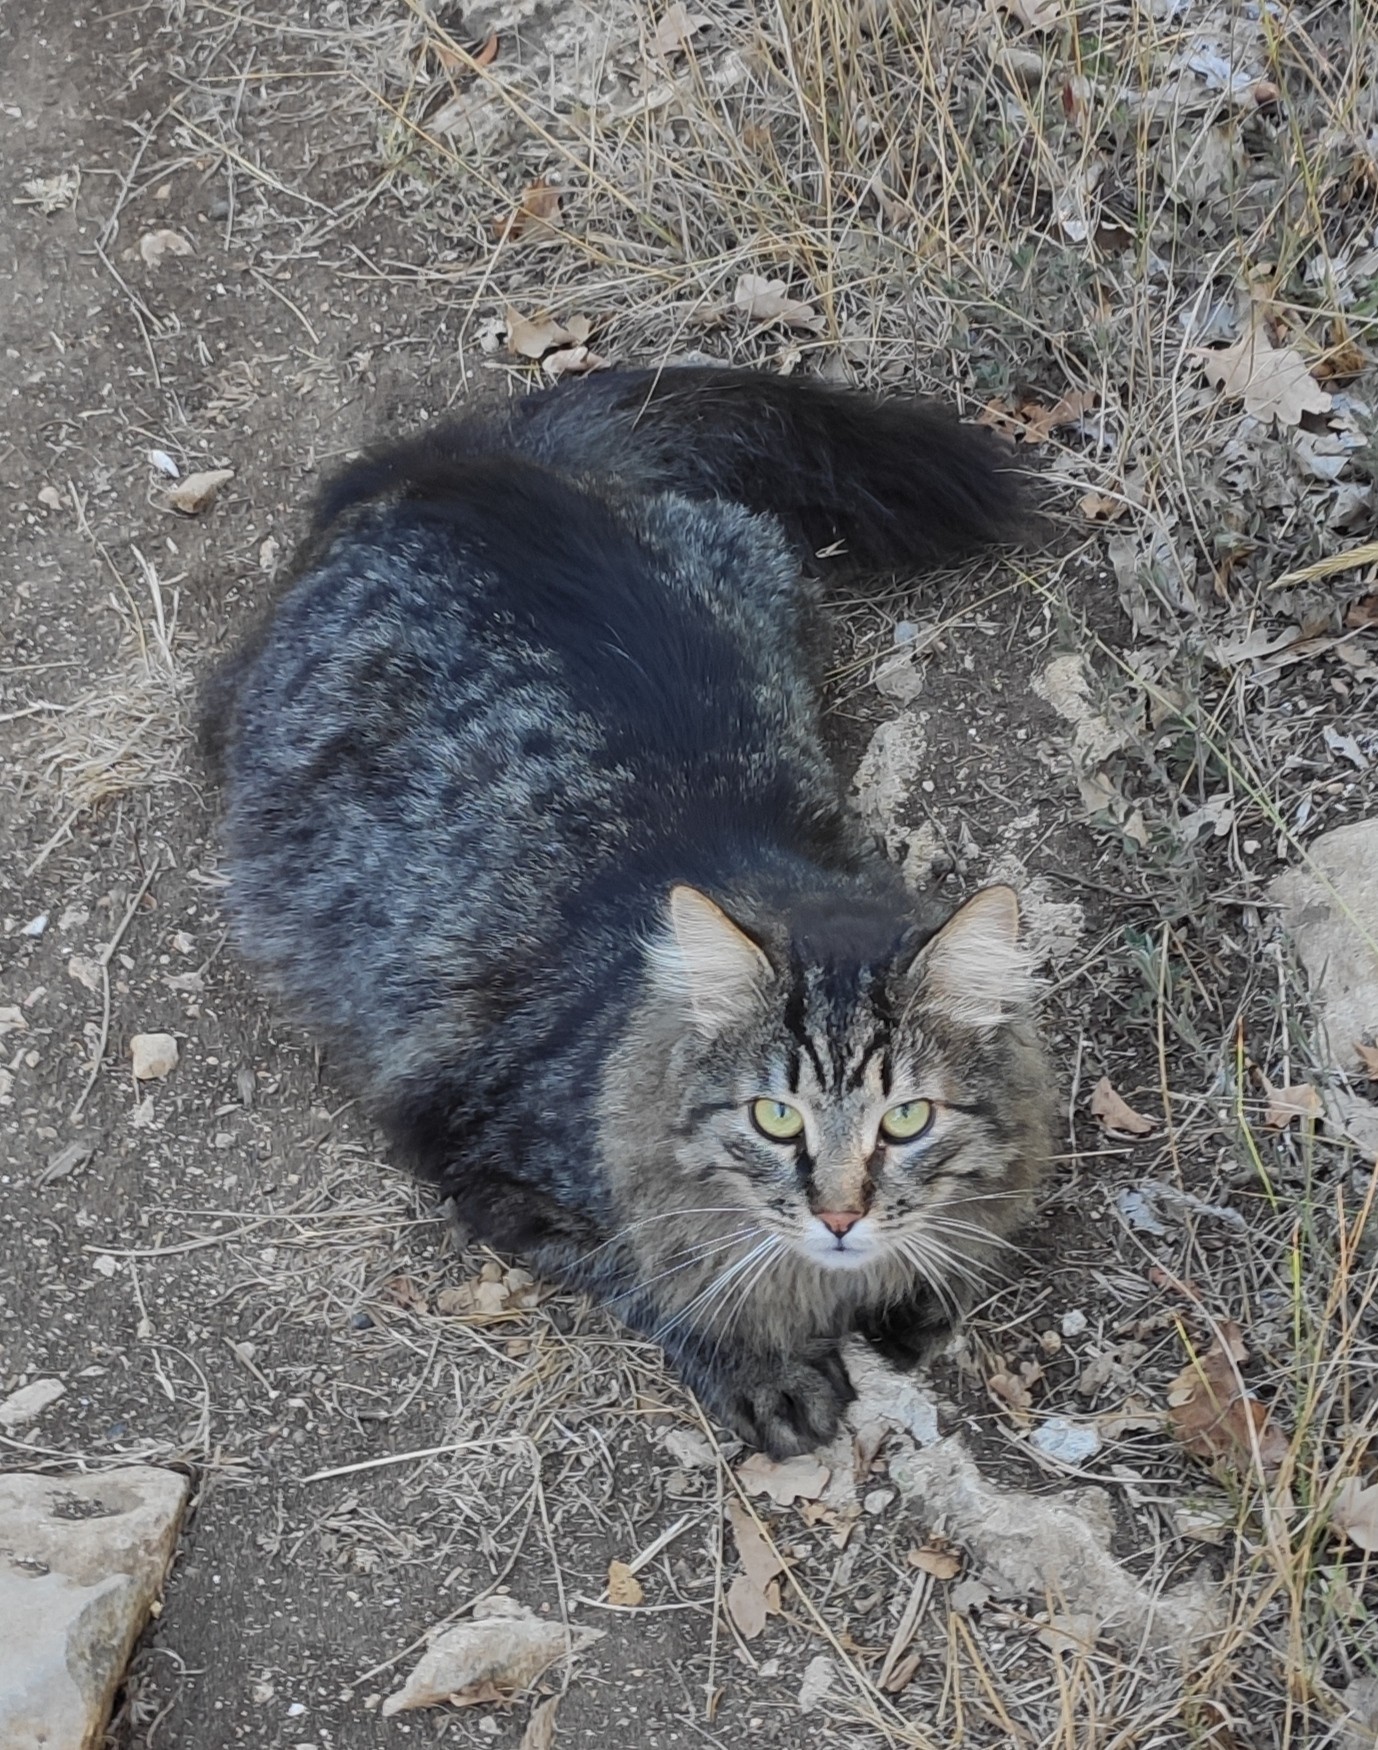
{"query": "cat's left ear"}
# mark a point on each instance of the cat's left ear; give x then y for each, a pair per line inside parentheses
(974, 972)
(707, 958)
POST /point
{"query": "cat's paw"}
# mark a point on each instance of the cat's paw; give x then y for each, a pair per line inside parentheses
(793, 1407)
(909, 1336)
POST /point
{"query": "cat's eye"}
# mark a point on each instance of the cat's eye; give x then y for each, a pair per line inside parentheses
(907, 1122)
(777, 1120)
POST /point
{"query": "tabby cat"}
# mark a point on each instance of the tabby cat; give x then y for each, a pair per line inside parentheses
(528, 813)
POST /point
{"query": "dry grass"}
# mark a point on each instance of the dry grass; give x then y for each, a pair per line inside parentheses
(127, 733)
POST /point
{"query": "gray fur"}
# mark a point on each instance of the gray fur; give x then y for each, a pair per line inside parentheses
(465, 765)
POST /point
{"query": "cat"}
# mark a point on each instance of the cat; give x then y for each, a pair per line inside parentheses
(527, 812)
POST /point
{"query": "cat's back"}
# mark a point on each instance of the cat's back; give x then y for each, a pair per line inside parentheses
(469, 704)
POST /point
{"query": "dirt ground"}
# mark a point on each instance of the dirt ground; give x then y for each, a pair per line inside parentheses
(246, 238)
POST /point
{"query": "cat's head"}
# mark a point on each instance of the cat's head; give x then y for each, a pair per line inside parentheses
(863, 1092)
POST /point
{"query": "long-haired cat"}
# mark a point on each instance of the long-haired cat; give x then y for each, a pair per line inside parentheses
(528, 813)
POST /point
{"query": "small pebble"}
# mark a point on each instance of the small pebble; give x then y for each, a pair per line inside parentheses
(154, 1055)
(1073, 1323)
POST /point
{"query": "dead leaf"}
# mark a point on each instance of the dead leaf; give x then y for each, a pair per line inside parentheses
(1014, 1394)
(192, 495)
(676, 27)
(623, 1586)
(536, 218)
(1041, 422)
(1099, 507)
(1362, 613)
(1273, 382)
(766, 300)
(1116, 1116)
(50, 194)
(797, 1478)
(540, 1728)
(761, 1561)
(1368, 1056)
(451, 62)
(1355, 1513)
(541, 334)
(403, 1292)
(747, 1606)
(1216, 1418)
(572, 361)
(943, 1564)
(1299, 1100)
(498, 1652)
(156, 246)
(689, 1449)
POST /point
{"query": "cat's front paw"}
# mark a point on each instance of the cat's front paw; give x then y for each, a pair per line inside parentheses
(792, 1407)
(910, 1335)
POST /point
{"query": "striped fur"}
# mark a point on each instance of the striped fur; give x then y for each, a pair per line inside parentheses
(527, 813)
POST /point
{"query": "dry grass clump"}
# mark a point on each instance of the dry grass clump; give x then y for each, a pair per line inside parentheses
(1047, 198)
(128, 732)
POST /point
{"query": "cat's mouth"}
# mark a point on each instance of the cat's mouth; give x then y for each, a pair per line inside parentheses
(849, 1250)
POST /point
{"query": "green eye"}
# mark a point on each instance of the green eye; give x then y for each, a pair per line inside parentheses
(773, 1118)
(904, 1123)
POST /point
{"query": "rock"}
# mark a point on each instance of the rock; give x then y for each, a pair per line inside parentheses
(192, 495)
(81, 1560)
(1038, 1547)
(154, 1054)
(29, 1402)
(1334, 931)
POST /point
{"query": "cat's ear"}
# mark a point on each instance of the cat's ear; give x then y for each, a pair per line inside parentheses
(974, 972)
(707, 958)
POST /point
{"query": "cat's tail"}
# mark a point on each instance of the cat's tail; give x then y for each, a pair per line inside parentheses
(875, 484)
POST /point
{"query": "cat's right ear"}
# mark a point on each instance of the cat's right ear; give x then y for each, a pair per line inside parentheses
(705, 958)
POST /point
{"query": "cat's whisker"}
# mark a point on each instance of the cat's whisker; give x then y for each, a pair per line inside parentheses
(632, 1227)
(942, 1223)
(935, 1269)
(958, 1261)
(715, 1288)
(742, 1281)
(753, 1282)
(690, 1255)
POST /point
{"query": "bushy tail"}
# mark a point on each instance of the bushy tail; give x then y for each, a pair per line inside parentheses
(876, 484)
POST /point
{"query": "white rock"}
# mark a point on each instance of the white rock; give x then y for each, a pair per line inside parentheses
(1331, 915)
(1037, 1547)
(819, 1676)
(29, 1402)
(154, 1055)
(81, 1560)
(1066, 1441)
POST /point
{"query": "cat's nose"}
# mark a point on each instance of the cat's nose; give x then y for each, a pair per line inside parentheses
(839, 1221)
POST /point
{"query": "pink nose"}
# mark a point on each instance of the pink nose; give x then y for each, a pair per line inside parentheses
(839, 1221)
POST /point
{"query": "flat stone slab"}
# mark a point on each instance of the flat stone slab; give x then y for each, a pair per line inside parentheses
(81, 1560)
(1330, 910)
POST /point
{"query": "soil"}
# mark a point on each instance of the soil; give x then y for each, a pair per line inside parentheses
(230, 1278)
